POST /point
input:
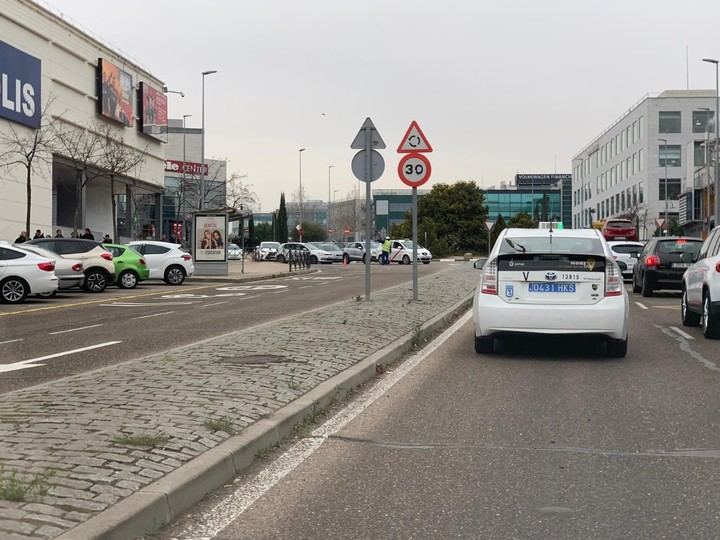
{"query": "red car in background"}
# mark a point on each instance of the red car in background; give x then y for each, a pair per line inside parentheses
(619, 229)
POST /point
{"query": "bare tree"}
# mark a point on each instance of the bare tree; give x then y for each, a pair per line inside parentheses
(241, 195)
(638, 214)
(30, 149)
(117, 159)
(83, 146)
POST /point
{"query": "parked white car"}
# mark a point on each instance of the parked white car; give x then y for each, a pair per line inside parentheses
(234, 252)
(317, 255)
(165, 260)
(402, 252)
(355, 251)
(700, 303)
(541, 282)
(69, 271)
(626, 252)
(23, 273)
(335, 252)
(267, 251)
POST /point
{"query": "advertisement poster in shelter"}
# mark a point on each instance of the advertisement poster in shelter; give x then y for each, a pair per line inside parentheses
(210, 237)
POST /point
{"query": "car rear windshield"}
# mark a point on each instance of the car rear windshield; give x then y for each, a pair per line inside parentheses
(619, 224)
(551, 244)
(627, 248)
(679, 246)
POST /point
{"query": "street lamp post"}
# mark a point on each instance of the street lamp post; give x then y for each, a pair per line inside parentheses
(717, 138)
(202, 142)
(705, 216)
(330, 167)
(300, 196)
(667, 225)
(183, 187)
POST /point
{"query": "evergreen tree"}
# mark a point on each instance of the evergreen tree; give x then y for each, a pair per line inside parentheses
(273, 229)
(497, 229)
(282, 220)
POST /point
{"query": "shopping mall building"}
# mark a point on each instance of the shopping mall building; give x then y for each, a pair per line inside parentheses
(77, 91)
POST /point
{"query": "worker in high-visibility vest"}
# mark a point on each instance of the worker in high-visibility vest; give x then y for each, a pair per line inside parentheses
(386, 250)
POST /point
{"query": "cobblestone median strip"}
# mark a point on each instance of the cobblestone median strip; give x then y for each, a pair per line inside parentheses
(80, 445)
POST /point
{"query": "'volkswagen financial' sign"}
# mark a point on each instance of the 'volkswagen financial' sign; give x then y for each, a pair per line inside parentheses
(19, 86)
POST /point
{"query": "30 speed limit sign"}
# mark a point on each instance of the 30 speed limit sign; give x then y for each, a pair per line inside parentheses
(414, 170)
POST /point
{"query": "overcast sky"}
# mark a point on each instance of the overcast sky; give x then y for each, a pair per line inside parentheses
(498, 87)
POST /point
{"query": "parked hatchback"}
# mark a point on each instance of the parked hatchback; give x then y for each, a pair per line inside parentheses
(619, 229)
(627, 253)
(663, 262)
(130, 267)
(23, 272)
(97, 261)
(700, 303)
(355, 251)
(165, 260)
(68, 271)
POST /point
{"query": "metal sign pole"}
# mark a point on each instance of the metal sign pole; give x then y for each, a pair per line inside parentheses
(368, 208)
(415, 240)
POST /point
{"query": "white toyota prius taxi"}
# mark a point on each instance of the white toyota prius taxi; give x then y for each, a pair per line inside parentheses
(544, 281)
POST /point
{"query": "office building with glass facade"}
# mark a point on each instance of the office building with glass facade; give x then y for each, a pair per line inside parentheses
(544, 197)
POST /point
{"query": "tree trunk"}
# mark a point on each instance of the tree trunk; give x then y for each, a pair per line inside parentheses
(29, 200)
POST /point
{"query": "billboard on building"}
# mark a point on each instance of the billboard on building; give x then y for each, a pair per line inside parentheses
(116, 92)
(153, 113)
(186, 167)
(210, 237)
(19, 86)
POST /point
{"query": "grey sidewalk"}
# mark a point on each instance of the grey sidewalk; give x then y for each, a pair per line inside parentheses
(253, 271)
(107, 434)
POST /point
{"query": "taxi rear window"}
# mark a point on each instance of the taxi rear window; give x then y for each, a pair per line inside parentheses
(551, 244)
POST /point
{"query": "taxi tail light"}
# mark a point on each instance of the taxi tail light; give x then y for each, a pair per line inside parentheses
(489, 278)
(77, 267)
(613, 279)
(47, 266)
(652, 260)
(107, 256)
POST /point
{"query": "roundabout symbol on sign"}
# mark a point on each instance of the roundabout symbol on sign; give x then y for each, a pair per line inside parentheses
(414, 170)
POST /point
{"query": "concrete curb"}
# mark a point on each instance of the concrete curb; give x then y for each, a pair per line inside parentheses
(244, 279)
(164, 500)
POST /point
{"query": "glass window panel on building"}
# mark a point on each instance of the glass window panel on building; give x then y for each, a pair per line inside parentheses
(670, 155)
(641, 192)
(670, 122)
(673, 188)
(703, 121)
(700, 153)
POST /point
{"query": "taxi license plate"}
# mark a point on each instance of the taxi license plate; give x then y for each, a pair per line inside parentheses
(540, 287)
(681, 265)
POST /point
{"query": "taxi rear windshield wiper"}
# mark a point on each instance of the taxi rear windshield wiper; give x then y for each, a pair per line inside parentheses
(516, 246)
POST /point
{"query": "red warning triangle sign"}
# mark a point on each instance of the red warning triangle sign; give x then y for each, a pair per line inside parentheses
(414, 141)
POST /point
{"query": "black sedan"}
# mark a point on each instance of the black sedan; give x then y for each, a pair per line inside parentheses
(663, 262)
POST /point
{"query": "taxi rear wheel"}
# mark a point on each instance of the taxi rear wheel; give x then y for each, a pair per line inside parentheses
(617, 348)
(484, 344)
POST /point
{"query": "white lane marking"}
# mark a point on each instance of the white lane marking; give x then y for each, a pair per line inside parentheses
(138, 304)
(208, 524)
(686, 347)
(33, 362)
(154, 315)
(10, 341)
(640, 305)
(305, 287)
(214, 304)
(281, 291)
(666, 307)
(251, 287)
(74, 329)
(683, 334)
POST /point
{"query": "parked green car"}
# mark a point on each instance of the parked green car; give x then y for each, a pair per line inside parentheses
(130, 267)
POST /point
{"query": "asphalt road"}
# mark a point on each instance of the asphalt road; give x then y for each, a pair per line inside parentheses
(545, 439)
(45, 339)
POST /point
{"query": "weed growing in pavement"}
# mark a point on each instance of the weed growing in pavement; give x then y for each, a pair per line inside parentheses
(223, 423)
(150, 440)
(17, 489)
(292, 384)
(265, 452)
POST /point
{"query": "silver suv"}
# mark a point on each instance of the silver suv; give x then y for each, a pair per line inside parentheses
(700, 304)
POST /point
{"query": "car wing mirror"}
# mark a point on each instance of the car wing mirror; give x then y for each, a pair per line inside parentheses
(478, 265)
